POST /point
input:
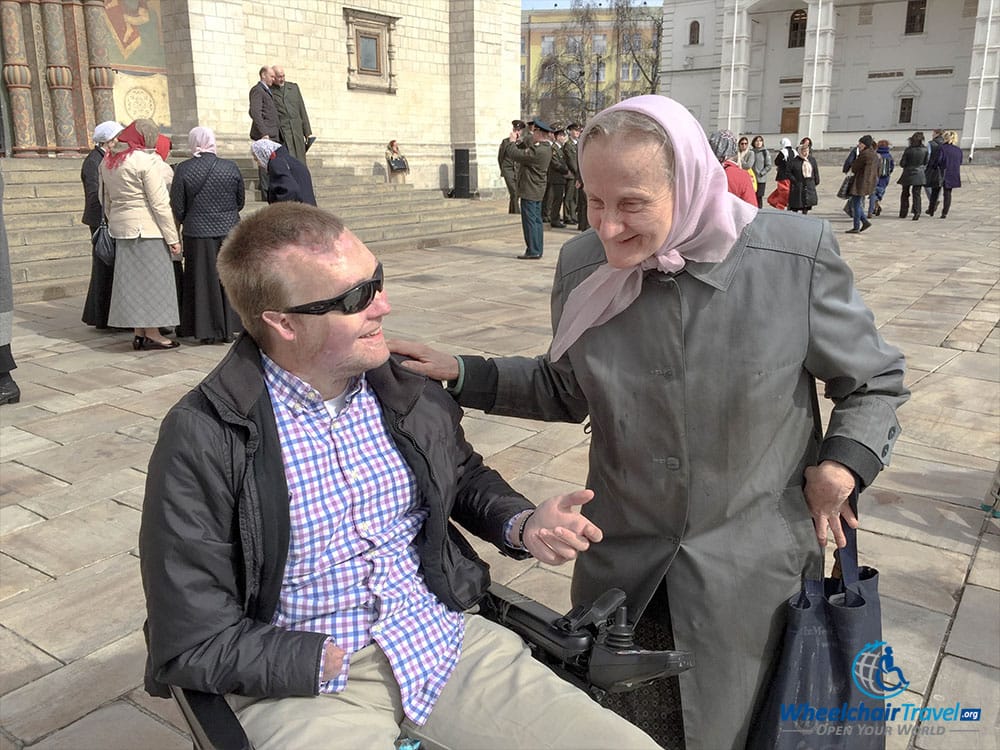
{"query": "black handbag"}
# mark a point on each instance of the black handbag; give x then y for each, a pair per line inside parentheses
(104, 244)
(398, 164)
(845, 187)
(833, 676)
(933, 176)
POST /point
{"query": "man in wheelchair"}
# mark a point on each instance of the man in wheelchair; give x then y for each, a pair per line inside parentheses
(298, 551)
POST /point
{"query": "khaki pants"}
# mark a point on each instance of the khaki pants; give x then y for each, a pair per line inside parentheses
(498, 697)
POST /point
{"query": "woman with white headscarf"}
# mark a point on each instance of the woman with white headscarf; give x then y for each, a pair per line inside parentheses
(98, 302)
(779, 198)
(690, 329)
(288, 178)
(207, 196)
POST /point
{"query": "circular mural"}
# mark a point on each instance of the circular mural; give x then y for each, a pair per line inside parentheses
(139, 104)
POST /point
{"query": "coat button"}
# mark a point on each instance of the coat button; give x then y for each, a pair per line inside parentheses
(885, 451)
(892, 432)
(673, 463)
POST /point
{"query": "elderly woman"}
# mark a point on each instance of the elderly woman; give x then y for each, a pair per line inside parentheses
(206, 196)
(288, 178)
(803, 179)
(689, 330)
(723, 143)
(98, 302)
(137, 203)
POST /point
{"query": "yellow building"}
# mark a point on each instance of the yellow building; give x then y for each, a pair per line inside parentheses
(577, 61)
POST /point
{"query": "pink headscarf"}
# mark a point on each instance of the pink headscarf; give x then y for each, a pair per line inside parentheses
(201, 141)
(707, 221)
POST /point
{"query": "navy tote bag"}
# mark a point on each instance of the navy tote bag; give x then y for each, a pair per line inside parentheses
(828, 684)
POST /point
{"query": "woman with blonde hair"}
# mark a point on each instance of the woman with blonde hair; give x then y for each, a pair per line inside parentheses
(948, 158)
(136, 201)
(395, 164)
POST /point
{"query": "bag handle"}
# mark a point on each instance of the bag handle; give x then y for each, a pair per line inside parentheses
(847, 556)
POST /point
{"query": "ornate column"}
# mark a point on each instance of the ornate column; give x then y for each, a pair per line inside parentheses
(17, 76)
(735, 70)
(58, 74)
(102, 76)
(817, 70)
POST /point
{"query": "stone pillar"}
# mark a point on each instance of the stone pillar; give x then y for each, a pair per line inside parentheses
(735, 68)
(982, 96)
(817, 71)
(485, 95)
(17, 76)
(58, 74)
(102, 76)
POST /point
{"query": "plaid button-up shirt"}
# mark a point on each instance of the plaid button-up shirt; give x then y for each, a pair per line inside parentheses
(352, 570)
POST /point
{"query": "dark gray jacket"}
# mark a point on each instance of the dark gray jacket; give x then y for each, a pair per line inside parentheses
(913, 162)
(207, 195)
(90, 176)
(215, 527)
(700, 402)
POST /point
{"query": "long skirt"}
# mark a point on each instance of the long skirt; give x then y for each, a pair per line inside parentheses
(143, 294)
(205, 309)
(95, 309)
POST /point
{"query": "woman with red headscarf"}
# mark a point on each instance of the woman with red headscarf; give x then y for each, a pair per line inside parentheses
(136, 201)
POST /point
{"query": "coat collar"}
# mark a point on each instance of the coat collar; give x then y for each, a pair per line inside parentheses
(720, 275)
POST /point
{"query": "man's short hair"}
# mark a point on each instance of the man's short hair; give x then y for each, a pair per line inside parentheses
(263, 69)
(247, 263)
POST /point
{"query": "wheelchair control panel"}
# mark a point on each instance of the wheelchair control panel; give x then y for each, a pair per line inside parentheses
(592, 646)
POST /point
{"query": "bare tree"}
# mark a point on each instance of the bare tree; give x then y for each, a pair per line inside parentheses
(637, 48)
(602, 55)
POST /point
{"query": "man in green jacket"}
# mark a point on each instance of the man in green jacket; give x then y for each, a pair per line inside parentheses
(534, 158)
(292, 117)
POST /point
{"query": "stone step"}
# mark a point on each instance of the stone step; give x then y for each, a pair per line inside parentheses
(54, 269)
(68, 189)
(39, 291)
(327, 196)
(40, 219)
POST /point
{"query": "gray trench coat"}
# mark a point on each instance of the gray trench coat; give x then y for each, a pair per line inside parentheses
(700, 399)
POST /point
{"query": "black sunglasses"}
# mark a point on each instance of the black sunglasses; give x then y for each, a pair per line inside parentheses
(354, 300)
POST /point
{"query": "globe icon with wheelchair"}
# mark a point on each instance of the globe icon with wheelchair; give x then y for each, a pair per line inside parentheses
(875, 673)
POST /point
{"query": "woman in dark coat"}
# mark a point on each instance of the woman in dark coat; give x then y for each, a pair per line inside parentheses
(803, 177)
(95, 309)
(864, 167)
(206, 197)
(288, 178)
(912, 163)
(948, 158)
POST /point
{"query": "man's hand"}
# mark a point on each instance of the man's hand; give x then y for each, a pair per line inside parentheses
(333, 662)
(828, 486)
(430, 362)
(557, 532)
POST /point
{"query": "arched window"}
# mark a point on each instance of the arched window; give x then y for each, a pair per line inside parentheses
(797, 29)
(694, 33)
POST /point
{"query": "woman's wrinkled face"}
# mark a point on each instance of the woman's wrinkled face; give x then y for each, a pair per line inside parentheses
(630, 201)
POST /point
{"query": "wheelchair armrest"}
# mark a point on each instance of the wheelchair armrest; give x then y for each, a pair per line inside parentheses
(212, 722)
(535, 623)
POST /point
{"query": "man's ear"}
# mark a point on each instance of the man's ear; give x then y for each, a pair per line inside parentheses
(280, 324)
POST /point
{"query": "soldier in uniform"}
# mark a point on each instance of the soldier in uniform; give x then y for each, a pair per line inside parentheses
(558, 175)
(509, 167)
(533, 158)
(570, 215)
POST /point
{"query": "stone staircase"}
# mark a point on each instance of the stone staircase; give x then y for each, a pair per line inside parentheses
(50, 248)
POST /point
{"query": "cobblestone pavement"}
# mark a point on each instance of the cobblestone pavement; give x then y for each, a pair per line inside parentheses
(74, 452)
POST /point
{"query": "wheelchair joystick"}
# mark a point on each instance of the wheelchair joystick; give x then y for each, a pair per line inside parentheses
(620, 634)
